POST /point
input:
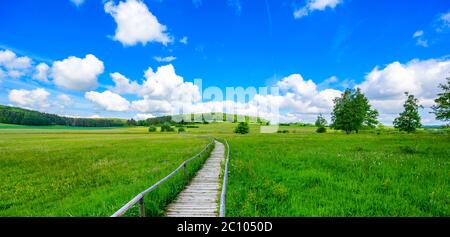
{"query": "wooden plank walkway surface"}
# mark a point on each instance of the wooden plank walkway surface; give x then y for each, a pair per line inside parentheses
(201, 197)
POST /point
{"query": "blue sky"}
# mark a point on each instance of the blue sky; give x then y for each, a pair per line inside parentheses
(225, 43)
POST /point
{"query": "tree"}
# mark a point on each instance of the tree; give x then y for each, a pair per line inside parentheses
(352, 111)
(321, 121)
(166, 127)
(131, 122)
(409, 119)
(242, 128)
(442, 107)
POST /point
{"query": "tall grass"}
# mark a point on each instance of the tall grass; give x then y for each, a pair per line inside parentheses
(87, 174)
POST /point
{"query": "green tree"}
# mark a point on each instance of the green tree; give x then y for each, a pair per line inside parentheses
(409, 119)
(442, 107)
(352, 111)
(242, 128)
(321, 121)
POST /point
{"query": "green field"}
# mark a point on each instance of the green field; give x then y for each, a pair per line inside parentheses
(92, 172)
(48, 173)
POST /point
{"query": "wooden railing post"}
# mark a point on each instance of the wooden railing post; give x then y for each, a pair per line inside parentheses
(141, 207)
(184, 172)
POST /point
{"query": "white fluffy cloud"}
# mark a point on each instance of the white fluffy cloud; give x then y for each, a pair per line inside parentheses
(108, 101)
(385, 87)
(33, 99)
(136, 24)
(12, 65)
(41, 73)
(167, 59)
(315, 5)
(123, 85)
(78, 74)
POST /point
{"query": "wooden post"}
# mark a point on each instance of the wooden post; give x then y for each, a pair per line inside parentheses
(184, 172)
(141, 207)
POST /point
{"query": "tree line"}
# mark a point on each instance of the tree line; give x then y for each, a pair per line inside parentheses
(14, 115)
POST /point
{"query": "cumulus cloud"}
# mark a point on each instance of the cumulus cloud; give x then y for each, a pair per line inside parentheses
(136, 24)
(12, 65)
(167, 59)
(65, 99)
(41, 73)
(108, 100)
(385, 87)
(124, 85)
(79, 74)
(162, 90)
(315, 5)
(33, 99)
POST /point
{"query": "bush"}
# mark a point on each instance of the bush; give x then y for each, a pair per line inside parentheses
(321, 130)
(283, 131)
(181, 129)
(242, 128)
(167, 128)
(192, 126)
(152, 129)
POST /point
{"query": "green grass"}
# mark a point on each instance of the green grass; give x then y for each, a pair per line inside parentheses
(89, 174)
(333, 174)
(71, 172)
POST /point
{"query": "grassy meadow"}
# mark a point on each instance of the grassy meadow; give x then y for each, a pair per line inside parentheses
(69, 172)
(334, 174)
(56, 171)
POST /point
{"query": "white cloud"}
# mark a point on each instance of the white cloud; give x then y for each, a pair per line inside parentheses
(12, 65)
(123, 85)
(143, 116)
(77, 2)
(422, 42)
(108, 101)
(33, 99)
(136, 24)
(41, 73)
(184, 40)
(446, 18)
(65, 100)
(419, 36)
(78, 74)
(385, 87)
(315, 5)
(418, 33)
(167, 59)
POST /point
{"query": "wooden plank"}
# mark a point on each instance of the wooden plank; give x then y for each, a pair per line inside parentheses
(200, 197)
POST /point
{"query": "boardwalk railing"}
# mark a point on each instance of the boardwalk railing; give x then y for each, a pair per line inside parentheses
(140, 197)
(224, 185)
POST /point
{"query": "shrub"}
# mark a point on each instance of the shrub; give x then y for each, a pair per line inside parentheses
(242, 128)
(283, 131)
(192, 126)
(181, 129)
(152, 129)
(321, 130)
(167, 128)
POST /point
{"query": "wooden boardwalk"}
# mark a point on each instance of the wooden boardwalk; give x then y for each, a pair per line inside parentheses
(201, 197)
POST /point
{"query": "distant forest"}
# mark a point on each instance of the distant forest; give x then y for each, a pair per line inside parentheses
(14, 115)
